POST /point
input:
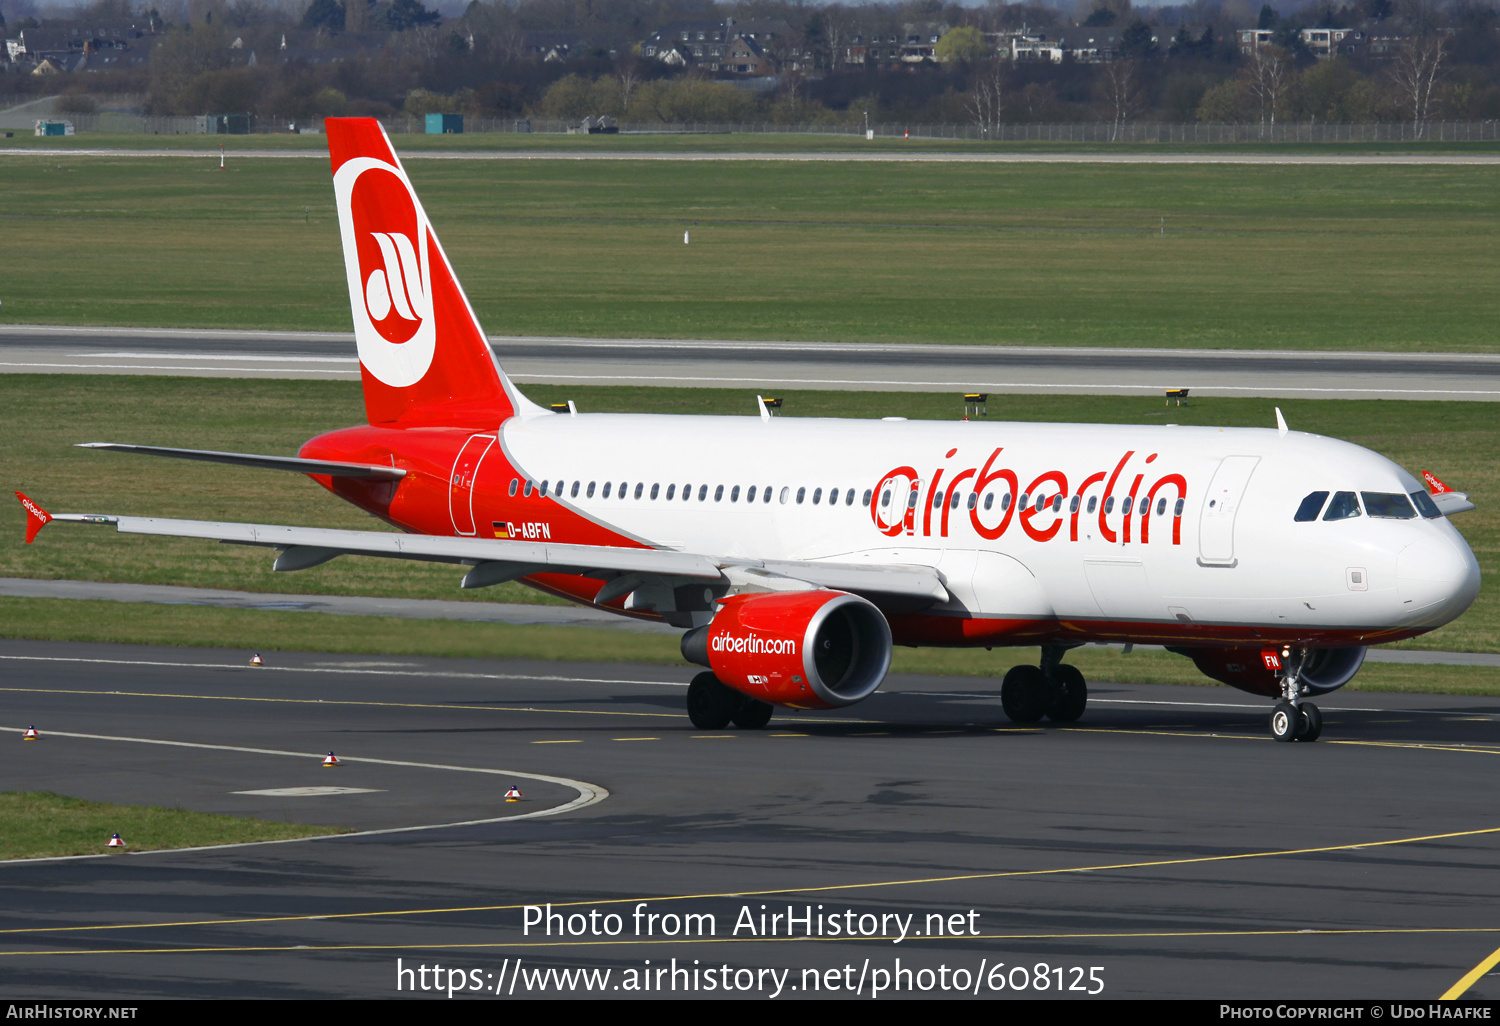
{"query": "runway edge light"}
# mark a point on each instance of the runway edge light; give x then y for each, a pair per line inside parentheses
(30, 734)
(514, 794)
(256, 660)
(331, 760)
(115, 842)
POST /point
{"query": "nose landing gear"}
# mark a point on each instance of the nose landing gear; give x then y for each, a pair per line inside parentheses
(1293, 719)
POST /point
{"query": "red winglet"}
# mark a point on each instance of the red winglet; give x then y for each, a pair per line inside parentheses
(1434, 485)
(36, 517)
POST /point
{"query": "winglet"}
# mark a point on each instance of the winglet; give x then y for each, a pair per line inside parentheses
(36, 517)
(1433, 484)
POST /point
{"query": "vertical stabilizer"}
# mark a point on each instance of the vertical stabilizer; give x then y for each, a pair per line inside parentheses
(423, 357)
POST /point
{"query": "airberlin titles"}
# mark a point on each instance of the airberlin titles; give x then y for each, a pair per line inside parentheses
(1041, 508)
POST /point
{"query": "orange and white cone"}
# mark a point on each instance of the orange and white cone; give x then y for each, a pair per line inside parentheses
(256, 660)
(30, 734)
(115, 842)
(514, 794)
(330, 760)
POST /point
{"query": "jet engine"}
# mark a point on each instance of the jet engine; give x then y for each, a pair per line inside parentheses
(1326, 669)
(803, 649)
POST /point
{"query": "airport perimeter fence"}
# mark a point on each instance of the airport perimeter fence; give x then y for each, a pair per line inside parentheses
(1068, 132)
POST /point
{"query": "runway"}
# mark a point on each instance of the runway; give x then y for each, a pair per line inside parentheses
(1164, 840)
(782, 366)
(845, 156)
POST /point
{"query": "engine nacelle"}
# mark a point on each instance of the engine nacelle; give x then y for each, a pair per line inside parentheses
(803, 649)
(1249, 669)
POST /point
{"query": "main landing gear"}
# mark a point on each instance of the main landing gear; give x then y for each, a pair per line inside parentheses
(713, 705)
(1293, 719)
(1052, 690)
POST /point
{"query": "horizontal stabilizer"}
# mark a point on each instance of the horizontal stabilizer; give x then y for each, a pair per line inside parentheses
(332, 468)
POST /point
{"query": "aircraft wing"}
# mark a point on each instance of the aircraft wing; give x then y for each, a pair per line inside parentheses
(332, 468)
(496, 560)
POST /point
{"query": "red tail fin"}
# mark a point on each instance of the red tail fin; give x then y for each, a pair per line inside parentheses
(36, 517)
(1433, 484)
(423, 357)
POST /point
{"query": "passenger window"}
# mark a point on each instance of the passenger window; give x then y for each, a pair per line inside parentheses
(1093, 503)
(1109, 505)
(654, 490)
(785, 491)
(1004, 502)
(607, 486)
(1177, 509)
(765, 494)
(734, 494)
(575, 489)
(1057, 503)
(1129, 503)
(849, 497)
(1025, 499)
(514, 484)
(1425, 505)
(817, 494)
(1310, 508)
(702, 493)
(869, 494)
(638, 489)
(1041, 500)
(911, 499)
(802, 493)
(953, 500)
(542, 490)
(989, 500)
(937, 499)
(719, 493)
(624, 485)
(973, 500)
(1343, 506)
(1073, 505)
(687, 492)
(1161, 505)
(885, 498)
(1388, 505)
(750, 495)
(589, 494)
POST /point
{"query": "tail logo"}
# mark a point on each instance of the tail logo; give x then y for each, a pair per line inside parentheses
(386, 256)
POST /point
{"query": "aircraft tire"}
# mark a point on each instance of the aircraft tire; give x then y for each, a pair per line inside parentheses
(1070, 697)
(1312, 723)
(710, 703)
(753, 714)
(1025, 694)
(1285, 720)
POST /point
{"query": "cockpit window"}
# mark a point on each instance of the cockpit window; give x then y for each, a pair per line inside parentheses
(1343, 506)
(1390, 505)
(1311, 507)
(1425, 505)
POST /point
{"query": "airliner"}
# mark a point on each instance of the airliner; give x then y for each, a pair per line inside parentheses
(795, 553)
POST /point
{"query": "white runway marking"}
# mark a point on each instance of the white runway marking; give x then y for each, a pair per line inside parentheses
(588, 794)
(309, 792)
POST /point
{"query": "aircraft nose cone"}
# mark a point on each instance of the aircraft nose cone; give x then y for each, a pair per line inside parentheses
(1436, 579)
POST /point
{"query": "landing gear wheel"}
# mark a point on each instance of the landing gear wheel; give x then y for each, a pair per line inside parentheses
(710, 704)
(1285, 719)
(1024, 694)
(1070, 695)
(1311, 723)
(753, 714)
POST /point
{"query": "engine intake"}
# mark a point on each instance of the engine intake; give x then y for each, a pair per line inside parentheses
(803, 649)
(1326, 669)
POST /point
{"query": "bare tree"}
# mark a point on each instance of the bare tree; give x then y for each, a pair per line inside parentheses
(985, 100)
(1267, 76)
(1120, 90)
(1416, 71)
(630, 78)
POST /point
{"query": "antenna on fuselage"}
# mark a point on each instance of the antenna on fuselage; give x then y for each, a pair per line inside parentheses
(1281, 428)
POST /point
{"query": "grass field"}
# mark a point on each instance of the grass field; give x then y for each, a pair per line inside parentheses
(40, 416)
(39, 824)
(1346, 257)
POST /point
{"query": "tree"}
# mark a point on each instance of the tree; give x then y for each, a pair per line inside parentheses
(1268, 17)
(1100, 17)
(1224, 103)
(1137, 41)
(985, 100)
(407, 14)
(1265, 76)
(1416, 70)
(1119, 89)
(327, 14)
(964, 45)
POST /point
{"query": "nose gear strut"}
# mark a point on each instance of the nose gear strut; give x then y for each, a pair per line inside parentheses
(1293, 719)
